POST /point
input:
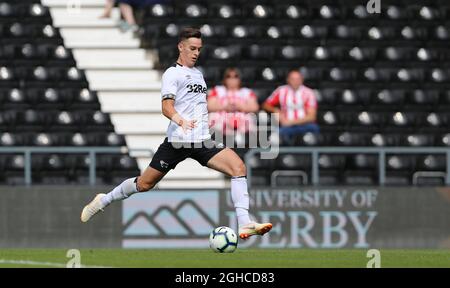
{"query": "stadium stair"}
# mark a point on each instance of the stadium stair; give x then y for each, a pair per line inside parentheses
(127, 85)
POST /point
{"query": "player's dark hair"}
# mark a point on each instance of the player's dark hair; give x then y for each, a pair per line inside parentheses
(189, 32)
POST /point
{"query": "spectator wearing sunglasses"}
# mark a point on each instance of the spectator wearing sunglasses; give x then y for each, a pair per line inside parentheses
(297, 108)
(231, 105)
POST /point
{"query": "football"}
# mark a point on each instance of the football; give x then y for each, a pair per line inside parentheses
(223, 240)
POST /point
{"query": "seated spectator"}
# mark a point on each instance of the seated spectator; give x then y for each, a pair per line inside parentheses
(126, 8)
(108, 8)
(297, 108)
(231, 105)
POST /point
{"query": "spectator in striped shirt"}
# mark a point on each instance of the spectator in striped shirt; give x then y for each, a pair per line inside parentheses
(231, 105)
(297, 108)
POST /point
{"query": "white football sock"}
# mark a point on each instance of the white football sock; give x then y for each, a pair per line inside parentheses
(240, 198)
(124, 190)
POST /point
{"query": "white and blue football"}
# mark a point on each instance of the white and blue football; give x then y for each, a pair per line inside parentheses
(223, 240)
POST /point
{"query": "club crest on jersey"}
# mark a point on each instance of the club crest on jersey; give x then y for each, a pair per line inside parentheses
(164, 164)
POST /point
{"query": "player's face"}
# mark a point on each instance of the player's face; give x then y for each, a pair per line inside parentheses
(190, 50)
(295, 80)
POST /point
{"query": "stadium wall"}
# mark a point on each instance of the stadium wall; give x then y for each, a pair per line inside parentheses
(303, 217)
(49, 217)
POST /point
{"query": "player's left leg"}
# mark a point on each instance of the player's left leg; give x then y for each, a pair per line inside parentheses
(130, 186)
(228, 162)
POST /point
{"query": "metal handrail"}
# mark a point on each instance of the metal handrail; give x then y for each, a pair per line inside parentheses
(91, 151)
(313, 151)
(380, 151)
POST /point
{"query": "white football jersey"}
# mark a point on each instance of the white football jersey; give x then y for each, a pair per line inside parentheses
(189, 88)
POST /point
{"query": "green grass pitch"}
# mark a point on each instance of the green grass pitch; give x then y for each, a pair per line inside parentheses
(241, 258)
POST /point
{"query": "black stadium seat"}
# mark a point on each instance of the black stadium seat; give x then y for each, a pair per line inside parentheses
(381, 80)
(400, 169)
(45, 101)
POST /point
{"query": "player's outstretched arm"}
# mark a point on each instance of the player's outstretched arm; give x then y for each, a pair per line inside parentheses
(169, 111)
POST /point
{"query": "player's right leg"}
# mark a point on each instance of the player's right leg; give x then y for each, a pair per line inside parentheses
(228, 162)
(143, 183)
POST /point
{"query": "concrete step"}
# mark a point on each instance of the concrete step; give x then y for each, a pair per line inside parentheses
(123, 102)
(78, 22)
(88, 17)
(145, 141)
(98, 44)
(102, 33)
(123, 80)
(86, 12)
(131, 123)
(124, 75)
(98, 38)
(125, 88)
(125, 59)
(148, 142)
(143, 162)
(74, 4)
(115, 54)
